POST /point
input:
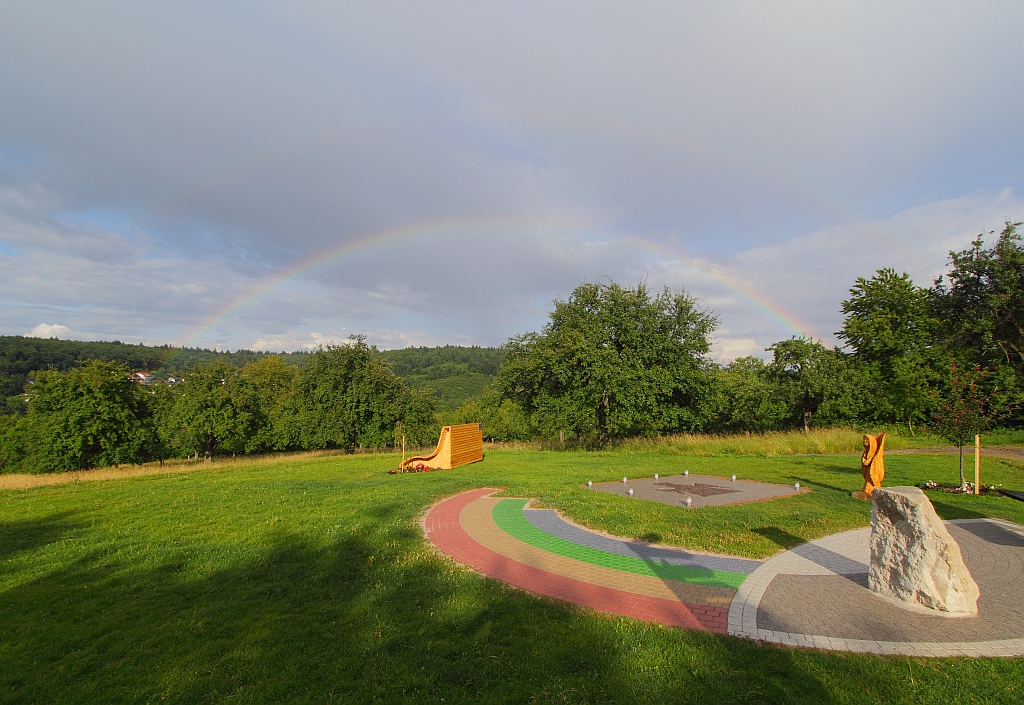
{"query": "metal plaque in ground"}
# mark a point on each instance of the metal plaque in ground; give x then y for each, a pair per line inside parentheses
(702, 490)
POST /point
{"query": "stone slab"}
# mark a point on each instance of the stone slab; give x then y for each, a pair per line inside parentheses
(703, 490)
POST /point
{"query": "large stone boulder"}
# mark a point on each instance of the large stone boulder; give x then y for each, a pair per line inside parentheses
(913, 557)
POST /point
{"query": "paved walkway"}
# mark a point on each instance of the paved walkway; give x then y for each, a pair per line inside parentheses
(814, 595)
(501, 539)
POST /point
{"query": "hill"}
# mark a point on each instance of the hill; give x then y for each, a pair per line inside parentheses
(454, 373)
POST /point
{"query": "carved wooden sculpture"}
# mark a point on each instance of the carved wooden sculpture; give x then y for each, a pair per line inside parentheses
(872, 465)
(458, 445)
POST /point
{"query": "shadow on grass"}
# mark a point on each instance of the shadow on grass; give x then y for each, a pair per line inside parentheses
(809, 483)
(352, 621)
(29, 534)
(844, 469)
(951, 511)
(779, 537)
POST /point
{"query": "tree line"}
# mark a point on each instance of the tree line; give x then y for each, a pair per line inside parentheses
(343, 397)
(616, 362)
(612, 362)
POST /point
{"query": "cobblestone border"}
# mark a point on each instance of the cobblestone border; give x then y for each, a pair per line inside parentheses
(831, 555)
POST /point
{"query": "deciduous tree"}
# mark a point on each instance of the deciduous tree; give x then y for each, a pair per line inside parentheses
(205, 415)
(614, 361)
(891, 331)
(89, 416)
(964, 411)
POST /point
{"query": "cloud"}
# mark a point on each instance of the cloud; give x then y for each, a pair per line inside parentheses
(382, 338)
(166, 170)
(50, 330)
(725, 350)
(810, 275)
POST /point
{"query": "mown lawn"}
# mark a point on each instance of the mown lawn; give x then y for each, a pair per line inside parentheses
(308, 580)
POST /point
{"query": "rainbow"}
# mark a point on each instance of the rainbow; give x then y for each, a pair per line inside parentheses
(397, 234)
(740, 289)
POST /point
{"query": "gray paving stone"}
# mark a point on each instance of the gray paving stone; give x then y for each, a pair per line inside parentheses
(818, 592)
(702, 490)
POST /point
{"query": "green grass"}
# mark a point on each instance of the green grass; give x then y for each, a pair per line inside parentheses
(308, 580)
(827, 441)
(1004, 437)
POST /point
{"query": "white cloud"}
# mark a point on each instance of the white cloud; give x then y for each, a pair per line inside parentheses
(50, 330)
(810, 275)
(384, 339)
(725, 350)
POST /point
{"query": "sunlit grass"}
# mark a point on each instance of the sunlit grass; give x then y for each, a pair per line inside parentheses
(307, 579)
(829, 441)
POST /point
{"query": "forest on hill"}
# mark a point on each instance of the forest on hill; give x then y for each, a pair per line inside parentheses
(453, 374)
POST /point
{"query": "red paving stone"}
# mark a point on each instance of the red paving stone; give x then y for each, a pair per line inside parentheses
(444, 530)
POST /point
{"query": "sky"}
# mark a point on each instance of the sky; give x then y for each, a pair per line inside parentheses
(280, 176)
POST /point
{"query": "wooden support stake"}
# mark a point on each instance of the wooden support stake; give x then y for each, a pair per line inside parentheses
(977, 464)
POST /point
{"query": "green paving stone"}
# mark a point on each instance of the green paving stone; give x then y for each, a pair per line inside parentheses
(508, 515)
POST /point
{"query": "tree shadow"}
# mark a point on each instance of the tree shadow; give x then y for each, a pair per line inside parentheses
(951, 511)
(806, 482)
(29, 534)
(844, 469)
(779, 536)
(993, 533)
(353, 621)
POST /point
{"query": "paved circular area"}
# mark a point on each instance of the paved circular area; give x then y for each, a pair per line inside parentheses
(814, 595)
(817, 595)
(701, 490)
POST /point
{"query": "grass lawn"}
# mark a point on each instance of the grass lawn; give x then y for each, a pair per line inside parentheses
(308, 580)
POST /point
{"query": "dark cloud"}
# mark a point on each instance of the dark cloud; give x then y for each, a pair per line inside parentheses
(160, 164)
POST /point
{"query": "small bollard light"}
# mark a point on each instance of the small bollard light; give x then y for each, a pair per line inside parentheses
(590, 483)
(688, 501)
(734, 478)
(630, 491)
(686, 472)
(655, 476)
(623, 480)
(797, 485)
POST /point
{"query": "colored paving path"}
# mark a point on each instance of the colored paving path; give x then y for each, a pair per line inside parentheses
(537, 551)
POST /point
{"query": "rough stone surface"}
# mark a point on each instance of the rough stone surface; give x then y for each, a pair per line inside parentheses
(913, 557)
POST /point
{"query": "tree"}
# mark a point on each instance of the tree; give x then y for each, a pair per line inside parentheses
(613, 362)
(502, 419)
(347, 397)
(164, 441)
(890, 327)
(748, 400)
(982, 312)
(90, 416)
(261, 391)
(205, 415)
(964, 412)
(817, 381)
